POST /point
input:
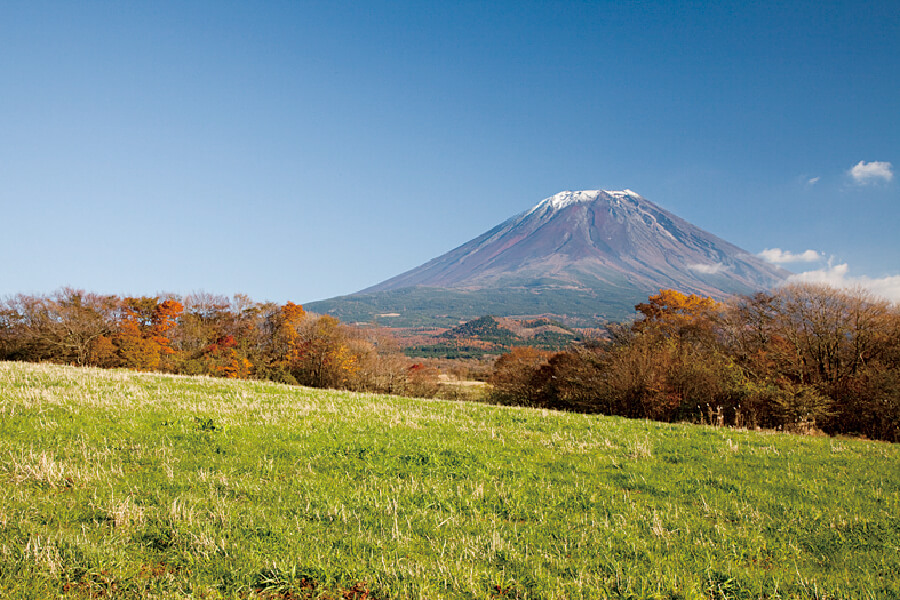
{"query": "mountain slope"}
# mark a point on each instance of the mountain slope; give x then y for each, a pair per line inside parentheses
(599, 251)
(585, 238)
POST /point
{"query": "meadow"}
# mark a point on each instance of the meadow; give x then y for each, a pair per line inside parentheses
(115, 484)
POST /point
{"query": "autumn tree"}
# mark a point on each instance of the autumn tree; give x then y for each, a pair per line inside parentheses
(206, 318)
(223, 358)
(673, 364)
(326, 359)
(835, 332)
(219, 336)
(379, 363)
(143, 329)
(29, 331)
(422, 380)
(63, 327)
(513, 379)
(282, 346)
(688, 319)
(812, 351)
(575, 380)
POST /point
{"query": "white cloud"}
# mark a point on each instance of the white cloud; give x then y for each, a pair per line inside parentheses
(813, 180)
(837, 276)
(869, 172)
(708, 269)
(779, 256)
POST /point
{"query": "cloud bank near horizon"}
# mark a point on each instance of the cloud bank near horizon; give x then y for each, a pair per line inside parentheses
(838, 276)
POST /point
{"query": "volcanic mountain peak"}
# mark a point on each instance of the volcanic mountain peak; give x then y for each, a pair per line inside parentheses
(592, 239)
(577, 252)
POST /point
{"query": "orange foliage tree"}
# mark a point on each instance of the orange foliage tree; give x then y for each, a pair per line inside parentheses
(674, 314)
(327, 358)
(143, 327)
(285, 349)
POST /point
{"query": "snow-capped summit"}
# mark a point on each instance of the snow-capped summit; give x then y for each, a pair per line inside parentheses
(563, 199)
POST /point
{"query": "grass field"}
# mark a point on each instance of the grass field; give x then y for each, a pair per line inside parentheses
(123, 485)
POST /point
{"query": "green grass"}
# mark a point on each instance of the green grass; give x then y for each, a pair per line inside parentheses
(122, 485)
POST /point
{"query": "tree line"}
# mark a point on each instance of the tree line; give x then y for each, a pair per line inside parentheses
(802, 356)
(199, 334)
(799, 357)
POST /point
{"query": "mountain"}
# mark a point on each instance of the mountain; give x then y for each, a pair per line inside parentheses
(583, 254)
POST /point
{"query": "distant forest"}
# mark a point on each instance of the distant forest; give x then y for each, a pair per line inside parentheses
(803, 357)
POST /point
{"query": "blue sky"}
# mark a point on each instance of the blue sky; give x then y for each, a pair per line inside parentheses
(301, 150)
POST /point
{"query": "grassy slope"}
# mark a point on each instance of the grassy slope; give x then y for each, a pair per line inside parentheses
(148, 486)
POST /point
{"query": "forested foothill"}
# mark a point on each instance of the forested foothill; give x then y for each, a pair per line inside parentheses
(801, 357)
(492, 336)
